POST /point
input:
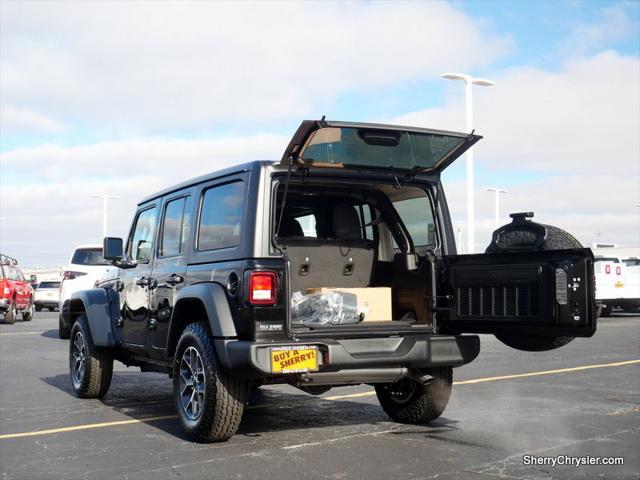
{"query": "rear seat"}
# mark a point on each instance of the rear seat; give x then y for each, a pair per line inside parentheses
(345, 260)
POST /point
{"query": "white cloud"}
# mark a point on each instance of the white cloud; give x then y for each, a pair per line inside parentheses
(584, 118)
(142, 65)
(582, 204)
(51, 193)
(578, 127)
(613, 25)
(18, 120)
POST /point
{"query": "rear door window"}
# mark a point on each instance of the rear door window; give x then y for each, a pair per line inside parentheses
(174, 228)
(221, 212)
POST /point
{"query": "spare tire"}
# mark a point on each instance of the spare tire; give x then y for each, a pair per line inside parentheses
(555, 239)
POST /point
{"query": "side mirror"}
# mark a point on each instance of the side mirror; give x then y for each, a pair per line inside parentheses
(33, 279)
(112, 248)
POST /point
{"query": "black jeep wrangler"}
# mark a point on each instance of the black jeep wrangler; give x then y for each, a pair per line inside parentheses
(335, 266)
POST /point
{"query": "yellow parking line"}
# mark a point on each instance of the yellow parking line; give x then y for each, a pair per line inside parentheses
(84, 427)
(506, 377)
(333, 398)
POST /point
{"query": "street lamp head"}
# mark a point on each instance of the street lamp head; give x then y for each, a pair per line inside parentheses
(483, 82)
(456, 76)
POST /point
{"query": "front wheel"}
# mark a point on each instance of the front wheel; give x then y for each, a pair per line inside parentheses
(210, 401)
(407, 401)
(90, 367)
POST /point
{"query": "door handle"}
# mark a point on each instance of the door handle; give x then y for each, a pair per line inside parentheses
(147, 282)
(175, 279)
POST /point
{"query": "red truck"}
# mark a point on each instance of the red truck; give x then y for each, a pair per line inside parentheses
(16, 294)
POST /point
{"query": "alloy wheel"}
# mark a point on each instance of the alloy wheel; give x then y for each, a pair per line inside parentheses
(192, 383)
(78, 354)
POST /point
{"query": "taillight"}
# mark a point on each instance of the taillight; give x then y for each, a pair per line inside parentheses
(6, 291)
(262, 288)
(607, 269)
(618, 270)
(70, 275)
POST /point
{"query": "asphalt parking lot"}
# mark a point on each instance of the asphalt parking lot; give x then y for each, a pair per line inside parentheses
(581, 400)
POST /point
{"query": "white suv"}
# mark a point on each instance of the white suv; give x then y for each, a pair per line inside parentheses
(87, 265)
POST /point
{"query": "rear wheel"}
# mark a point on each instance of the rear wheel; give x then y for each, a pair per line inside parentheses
(27, 315)
(606, 311)
(556, 239)
(210, 401)
(407, 401)
(11, 314)
(38, 308)
(90, 367)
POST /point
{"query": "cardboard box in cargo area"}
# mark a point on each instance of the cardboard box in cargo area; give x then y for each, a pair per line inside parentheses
(374, 302)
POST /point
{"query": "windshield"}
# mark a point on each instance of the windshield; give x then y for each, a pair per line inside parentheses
(42, 285)
(341, 146)
(89, 256)
(631, 262)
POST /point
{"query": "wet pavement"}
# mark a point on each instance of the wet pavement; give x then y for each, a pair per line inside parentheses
(580, 401)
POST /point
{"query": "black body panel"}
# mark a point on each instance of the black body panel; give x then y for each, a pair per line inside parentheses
(547, 293)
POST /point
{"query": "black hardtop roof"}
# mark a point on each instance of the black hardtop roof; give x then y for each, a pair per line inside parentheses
(243, 167)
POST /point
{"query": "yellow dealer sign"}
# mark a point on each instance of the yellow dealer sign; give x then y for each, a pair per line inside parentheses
(294, 359)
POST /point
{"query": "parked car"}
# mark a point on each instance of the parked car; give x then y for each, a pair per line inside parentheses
(16, 294)
(47, 295)
(617, 283)
(86, 266)
(335, 266)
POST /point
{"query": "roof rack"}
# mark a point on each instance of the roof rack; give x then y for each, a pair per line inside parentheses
(7, 260)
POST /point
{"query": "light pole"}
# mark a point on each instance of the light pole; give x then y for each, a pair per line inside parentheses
(497, 192)
(105, 207)
(459, 242)
(469, 82)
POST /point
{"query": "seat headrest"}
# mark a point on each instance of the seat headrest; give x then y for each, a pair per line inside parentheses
(346, 222)
(290, 228)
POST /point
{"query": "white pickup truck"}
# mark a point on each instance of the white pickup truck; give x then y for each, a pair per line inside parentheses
(617, 280)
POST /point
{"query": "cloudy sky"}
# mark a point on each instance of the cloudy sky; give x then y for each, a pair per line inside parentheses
(126, 98)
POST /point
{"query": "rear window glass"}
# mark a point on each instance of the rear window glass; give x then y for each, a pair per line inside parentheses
(632, 262)
(379, 148)
(49, 285)
(220, 223)
(89, 256)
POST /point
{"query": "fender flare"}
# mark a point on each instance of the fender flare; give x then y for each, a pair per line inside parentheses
(213, 299)
(101, 307)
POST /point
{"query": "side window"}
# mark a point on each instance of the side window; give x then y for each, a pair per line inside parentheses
(142, 237)
(417, 216)
(221, 217)
(174, 228)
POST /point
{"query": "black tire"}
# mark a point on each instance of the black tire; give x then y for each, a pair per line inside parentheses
(11, 314)
(557, 239)
(407, 401)
(64, 332)
(215, 412)
(90, 367)
(606, 311)
(27, 315)
(38, 308)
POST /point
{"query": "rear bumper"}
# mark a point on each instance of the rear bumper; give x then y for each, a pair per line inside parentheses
(410, 352)
(46, 303)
